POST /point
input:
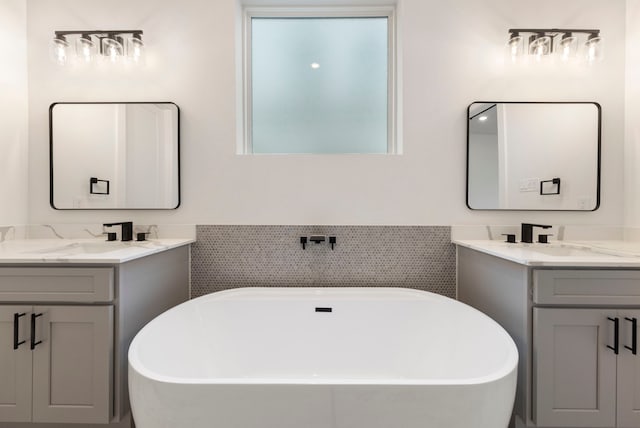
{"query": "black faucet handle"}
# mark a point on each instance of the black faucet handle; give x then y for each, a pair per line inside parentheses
(543, 238)
(511, 237)
(142, 236)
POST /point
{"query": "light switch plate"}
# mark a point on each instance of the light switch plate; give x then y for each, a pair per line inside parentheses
(529, 184)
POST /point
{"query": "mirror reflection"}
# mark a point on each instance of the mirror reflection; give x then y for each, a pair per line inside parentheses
(114, 155)
(533, 156)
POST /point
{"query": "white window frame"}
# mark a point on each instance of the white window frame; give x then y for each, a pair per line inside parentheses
(388, 12)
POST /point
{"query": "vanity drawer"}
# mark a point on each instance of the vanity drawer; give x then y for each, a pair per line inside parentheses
(56, 284)
(597, 287)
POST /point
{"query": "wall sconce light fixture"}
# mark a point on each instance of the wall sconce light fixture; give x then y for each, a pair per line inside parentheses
(110, 44)
(564, 43)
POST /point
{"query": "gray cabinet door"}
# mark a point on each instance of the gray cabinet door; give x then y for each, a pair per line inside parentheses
(628, 372)
(72, 367)
(15, 366)
(574, 371)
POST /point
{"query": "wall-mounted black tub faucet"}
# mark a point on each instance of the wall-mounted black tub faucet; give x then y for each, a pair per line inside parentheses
(317, 239)
(526, 232)
(127, 229)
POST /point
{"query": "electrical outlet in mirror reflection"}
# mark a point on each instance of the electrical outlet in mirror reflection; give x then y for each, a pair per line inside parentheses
(584, 203)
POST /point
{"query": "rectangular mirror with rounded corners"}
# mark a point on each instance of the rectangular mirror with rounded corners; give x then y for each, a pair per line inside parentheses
(114, 155)
(533, 156)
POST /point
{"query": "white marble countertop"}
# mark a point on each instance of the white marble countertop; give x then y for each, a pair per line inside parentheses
(18, 251)
(562, 253)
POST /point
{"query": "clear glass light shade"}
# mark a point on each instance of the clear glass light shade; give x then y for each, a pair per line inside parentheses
(59, 51)
(567, 48)
(540, 46)
(135, 49)
(112, 49)
(85, 49)
(515, 47)
(594, 50)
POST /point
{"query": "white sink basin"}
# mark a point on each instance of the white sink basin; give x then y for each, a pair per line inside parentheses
(83, 248)
(566, 251)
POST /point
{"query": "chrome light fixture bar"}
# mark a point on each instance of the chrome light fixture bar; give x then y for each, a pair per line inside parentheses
(563, 42)
(110, 44)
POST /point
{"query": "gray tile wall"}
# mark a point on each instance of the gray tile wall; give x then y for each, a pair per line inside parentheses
(419, 257)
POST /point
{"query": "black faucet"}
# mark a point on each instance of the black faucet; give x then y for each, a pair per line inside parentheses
(127, 229)
(526, 233)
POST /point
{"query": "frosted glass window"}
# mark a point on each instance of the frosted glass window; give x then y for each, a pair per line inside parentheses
(319, 85)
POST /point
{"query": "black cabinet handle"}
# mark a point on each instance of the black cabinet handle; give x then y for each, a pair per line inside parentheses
(16, 330)
(616, 335)
(33, 331)
(634, 335)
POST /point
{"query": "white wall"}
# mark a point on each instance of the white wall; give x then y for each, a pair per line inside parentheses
(13, 112)
(632, 114)
(451, 55)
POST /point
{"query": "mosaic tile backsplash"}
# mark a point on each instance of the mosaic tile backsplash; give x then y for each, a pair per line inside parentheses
(420, 257)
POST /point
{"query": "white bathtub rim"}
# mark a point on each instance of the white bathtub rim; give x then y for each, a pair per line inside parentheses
(508, 369)
(220, 381)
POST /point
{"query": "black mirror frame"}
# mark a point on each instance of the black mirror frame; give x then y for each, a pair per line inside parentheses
(51, 107)
(598, 107)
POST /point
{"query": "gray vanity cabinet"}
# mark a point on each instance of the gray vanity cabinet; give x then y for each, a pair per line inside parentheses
(586, 370)
(574, 371)
(66, 377)
(84, 318)
(563, 323)
(73, 366)
(57, 359)
(579, 380)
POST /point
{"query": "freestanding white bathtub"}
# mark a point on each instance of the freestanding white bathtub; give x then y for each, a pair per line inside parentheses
(322, 358)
